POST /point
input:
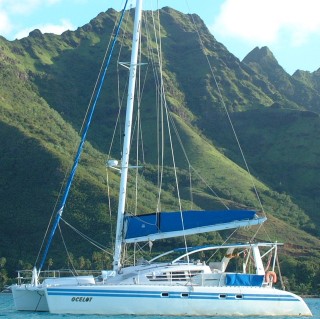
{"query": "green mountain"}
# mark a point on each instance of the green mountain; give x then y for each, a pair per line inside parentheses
(295, 93)
(46, 85)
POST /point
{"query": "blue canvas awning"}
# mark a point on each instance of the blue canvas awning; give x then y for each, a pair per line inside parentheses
(173, 224)
(251, 280)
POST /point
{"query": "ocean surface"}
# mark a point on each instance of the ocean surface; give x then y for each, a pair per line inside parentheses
(7, 310)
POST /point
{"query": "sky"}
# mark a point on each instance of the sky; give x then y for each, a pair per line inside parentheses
(290, 28)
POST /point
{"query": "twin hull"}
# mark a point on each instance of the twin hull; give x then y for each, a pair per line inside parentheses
(175, 301)
(29, 298)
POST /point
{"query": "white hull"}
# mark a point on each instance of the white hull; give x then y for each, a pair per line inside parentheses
(175, 301)
(29, 298)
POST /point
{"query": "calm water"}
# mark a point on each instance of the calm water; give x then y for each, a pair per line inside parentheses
(7, 311)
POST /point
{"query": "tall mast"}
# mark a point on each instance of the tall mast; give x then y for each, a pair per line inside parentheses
(127, 136)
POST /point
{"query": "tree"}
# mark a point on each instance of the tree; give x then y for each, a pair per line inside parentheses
(3, 272)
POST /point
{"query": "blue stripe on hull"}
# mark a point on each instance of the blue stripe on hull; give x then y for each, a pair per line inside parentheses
(157, 294)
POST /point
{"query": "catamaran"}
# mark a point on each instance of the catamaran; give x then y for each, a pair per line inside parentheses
(180, 281)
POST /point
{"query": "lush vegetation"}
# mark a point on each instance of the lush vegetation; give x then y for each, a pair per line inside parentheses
(46, 84)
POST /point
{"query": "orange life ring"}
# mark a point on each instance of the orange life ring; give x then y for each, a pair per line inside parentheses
(271, 276)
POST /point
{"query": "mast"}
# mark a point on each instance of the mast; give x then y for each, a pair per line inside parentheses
(127, 136)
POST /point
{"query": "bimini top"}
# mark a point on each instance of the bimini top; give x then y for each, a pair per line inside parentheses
(173, 224)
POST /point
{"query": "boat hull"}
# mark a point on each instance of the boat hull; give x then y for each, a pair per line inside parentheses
(29, 298)
(175, 301)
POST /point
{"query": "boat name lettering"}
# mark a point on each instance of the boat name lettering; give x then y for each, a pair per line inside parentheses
(81, 299)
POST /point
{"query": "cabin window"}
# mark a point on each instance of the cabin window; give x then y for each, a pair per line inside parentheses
(239, 296)
(173, 276)
(165, 294)
(222, 296)
(177, 275)
(184, 295)
(153, 277)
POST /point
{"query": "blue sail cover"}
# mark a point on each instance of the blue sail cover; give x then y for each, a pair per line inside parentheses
(251, 280)
(173, 224)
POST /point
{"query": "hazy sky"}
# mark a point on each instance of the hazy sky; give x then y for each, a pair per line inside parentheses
(290, 28)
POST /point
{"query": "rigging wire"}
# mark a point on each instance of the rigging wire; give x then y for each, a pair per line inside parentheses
(189, 163)
(190, 186)
(258, 229)
(73, 270)
(227, 112)
(225, 241)
(79, 151)
(166, 115)
(160, 114)
(280, 274)
(87, 238)
(75, 147)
